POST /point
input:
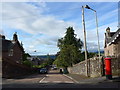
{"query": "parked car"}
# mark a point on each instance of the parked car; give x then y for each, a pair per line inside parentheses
(43, 70)
(54, 68)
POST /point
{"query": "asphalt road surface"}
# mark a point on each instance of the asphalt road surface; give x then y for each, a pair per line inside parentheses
(52, 80)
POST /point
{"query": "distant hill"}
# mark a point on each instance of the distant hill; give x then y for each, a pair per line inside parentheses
(45, 56)
(97, 51)
(100, 52)
(53, 56)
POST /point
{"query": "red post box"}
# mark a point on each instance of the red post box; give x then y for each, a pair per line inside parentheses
(108, 71)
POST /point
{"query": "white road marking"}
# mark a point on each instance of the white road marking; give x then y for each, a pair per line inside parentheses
(71, 78)
(42, 80)
(68, 82)
(56, 82)
(45, 81)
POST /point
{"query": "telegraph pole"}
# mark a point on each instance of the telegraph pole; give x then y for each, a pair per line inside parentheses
(85, 47)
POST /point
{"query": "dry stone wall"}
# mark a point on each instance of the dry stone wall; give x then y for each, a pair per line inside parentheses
(96, 67)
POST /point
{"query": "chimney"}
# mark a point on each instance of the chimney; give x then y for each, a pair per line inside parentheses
(15, 38)
(2, 36)
(108, 32)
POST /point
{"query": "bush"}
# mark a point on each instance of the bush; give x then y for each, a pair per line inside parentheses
(40, 66)
(27, 63)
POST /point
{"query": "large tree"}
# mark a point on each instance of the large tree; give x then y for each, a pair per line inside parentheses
(70, 39)
(70, 49)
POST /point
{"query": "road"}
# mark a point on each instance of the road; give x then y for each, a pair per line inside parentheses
(55, 77)
(52, 80)
(37, 80)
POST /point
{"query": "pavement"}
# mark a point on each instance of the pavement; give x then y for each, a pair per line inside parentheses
(84, 79)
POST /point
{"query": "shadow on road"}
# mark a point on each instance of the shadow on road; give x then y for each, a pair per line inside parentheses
(62, 85)
(29, 76)
(116, 79)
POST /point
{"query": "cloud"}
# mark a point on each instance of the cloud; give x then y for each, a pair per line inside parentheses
(1, 31)
(28, 17)
(92, 35)
(45, 29)
(92, 46)
(33, 22)
(106, 17)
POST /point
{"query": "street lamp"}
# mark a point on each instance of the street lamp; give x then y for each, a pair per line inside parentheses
(96, 28)
(85, 46)
(97, 31)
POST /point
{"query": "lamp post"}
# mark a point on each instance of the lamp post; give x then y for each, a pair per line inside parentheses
(85, 47)
(96, 28)
(97, 33)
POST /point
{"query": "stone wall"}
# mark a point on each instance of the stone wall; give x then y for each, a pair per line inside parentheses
(115, 62)
(96, 67)
(11, 69)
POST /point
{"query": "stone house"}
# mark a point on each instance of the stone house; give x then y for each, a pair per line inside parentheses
(12, 49)
(35, 60)
(112, 43)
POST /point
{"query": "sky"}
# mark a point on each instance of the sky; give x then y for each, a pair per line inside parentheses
(39, 25)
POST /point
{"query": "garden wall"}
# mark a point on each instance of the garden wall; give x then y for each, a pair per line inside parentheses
(96, 67)
(11, 69)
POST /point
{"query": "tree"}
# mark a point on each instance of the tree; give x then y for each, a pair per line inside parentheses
(27, 63)
(90, 55)
(70, 49)
(49, 60)
(70, 39)
(25, 55)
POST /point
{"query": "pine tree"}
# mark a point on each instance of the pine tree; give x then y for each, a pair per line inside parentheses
(70, 49)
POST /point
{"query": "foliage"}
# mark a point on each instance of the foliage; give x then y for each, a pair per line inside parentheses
(40, 66)
(49, 60)
(89, 54)
(70, 39)
(70, 49)
(46, 63)
(27, 63)
(25, 55)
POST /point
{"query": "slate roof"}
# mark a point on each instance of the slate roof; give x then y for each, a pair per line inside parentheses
(113, 37)
(9, 44)
(108, 39)
(6, 45)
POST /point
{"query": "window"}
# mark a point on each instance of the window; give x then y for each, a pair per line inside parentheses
(10, 52)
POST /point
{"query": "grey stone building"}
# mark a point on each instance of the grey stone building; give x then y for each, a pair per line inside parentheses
(112, 43)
